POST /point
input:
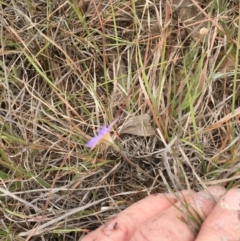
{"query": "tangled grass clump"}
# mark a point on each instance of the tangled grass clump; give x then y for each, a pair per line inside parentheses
(67, 67)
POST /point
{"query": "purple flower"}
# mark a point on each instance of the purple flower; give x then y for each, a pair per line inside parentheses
(102, 136)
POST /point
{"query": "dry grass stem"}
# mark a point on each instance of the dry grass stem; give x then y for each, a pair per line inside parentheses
(69, 67)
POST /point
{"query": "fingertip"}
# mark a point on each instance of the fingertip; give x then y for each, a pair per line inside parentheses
(223, 223)
(216, 192)
(231, 200)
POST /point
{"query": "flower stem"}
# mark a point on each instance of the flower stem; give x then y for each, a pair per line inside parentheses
(126, 158)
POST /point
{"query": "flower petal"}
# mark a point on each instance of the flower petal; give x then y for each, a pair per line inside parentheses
(103, 131)
(93, 142)
(103, 134)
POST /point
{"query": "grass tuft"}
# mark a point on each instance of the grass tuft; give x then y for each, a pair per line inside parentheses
(68, 67)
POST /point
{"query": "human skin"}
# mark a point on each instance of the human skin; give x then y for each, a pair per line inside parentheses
(165, 216)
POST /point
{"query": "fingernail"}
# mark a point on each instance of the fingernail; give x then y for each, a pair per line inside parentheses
(217, 192)
(231, 200)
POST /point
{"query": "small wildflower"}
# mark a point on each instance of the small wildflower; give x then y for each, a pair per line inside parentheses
(102, 136)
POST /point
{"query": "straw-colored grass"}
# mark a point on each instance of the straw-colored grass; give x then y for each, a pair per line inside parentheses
(67, 67)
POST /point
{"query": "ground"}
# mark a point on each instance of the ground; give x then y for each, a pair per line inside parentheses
(167, 70)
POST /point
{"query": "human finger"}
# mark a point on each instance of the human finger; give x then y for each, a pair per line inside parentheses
(180, 221)
(224, 221)
(120, 227)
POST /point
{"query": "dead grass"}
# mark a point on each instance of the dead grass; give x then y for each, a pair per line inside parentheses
(67, 67)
